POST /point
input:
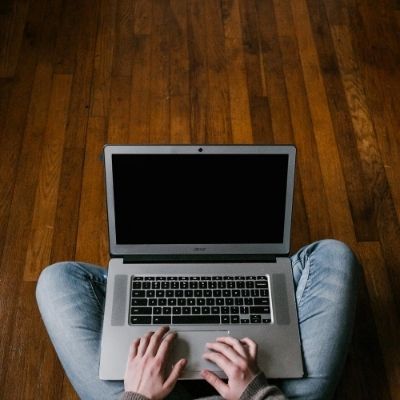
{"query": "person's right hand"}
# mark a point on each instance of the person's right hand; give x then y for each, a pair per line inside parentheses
(237, 358)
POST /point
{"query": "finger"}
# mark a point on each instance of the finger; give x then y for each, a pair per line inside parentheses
(133, 348)
(233, 342)
(155, 340)
(220, 360)
(221, 387)
(252, 346)
(165, 345)
(225, 350)
(144, 341)
(174, 375)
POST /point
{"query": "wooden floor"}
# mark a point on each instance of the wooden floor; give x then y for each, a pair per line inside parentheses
(74, 75)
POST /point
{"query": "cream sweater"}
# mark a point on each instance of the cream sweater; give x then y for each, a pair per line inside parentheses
(257, 389)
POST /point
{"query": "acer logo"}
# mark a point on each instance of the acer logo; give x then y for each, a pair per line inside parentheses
(199, 248)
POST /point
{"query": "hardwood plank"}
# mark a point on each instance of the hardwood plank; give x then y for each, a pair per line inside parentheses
(384, 311)
(344, 94)
(218, 119)
(259, 100)
(17, 231)
(382, 87)
(309, 169)
(68, 38)
(92, 211)
(143, 17)
(242, 132)
(38, 254)
(119, 114)
(332, 173)
(198, 71)
(124, 46)
(140, 91)
(159, 102)
(103, 59)
(69, 191)
(179, 73)
(12, 24)
(14, 118)
(30, 360)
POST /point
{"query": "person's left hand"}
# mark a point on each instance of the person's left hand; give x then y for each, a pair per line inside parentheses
(145, 369)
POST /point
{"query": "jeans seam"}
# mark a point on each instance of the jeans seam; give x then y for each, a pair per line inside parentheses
(307, 285)
(94, 292)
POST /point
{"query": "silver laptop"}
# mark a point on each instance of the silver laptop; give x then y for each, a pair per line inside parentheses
(199, 241)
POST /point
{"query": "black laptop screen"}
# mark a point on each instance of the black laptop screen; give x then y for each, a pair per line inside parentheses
(199, 198)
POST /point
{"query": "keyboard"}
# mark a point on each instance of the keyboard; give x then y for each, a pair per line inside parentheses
(177, 300)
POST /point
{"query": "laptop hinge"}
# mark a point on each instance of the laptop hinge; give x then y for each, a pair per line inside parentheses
(194, 258)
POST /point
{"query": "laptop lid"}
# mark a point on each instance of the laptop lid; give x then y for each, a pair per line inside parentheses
(191, 200)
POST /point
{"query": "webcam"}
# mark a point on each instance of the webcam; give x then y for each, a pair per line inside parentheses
(200, 149)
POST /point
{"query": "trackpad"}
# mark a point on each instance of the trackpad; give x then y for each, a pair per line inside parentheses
(192, 345)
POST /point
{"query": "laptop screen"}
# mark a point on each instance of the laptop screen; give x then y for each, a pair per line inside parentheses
(198, 199)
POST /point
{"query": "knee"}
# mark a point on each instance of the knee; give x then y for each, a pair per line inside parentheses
(52, 279)
(338, 256)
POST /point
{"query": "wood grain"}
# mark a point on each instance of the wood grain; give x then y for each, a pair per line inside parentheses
(322, 74)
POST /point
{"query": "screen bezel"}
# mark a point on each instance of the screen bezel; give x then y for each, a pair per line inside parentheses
(197, 249)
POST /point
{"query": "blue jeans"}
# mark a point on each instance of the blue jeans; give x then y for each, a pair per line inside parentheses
(71, 297)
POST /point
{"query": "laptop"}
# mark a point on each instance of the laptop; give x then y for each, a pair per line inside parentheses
(199, 241)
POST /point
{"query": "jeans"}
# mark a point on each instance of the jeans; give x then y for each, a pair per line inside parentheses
(71, 299)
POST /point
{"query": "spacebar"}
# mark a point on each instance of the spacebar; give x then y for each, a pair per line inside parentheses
(196, 319)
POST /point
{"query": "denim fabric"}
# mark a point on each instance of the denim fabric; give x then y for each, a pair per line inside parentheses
(71, 298)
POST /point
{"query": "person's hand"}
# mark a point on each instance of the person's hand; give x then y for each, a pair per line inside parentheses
(145, 369)
(237, 358)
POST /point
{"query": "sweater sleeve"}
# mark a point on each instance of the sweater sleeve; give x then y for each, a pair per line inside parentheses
(259, 389)
(133, 396)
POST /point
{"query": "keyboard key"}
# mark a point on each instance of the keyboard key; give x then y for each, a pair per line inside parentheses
(162, 319)
(239, 301)
(186, 310)
(150, 293)
(181, 302)
(255, 319)
(176, 310)
(255, 292)
(195, 310)
(262, 284)
(224, 310)
(248, 301)
(219, 302)
(217, 293)
(140, 319)
(259, 310)
(157, 310)
(229, 302)
(200, 301)
(152, 302)
(138, 293)
(205, 310)
(202, 285)
(207, 293)
(196, 319)
(235, 310)
(138, 278)
(266, 320)
(249, 284)
(234, 319)
(215, 310)
(136, 285)
(188, 293)
(141, 310)
(166, 310)
(139, 302)
(244, 320)
(261, 302)
(235, 293)
(191, 302)
(162, 302)
(211, 302)
(171, 302)
(225, 319)
(169, 293)
(198, 293)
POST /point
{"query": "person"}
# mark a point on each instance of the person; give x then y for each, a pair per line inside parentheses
(71, 296)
